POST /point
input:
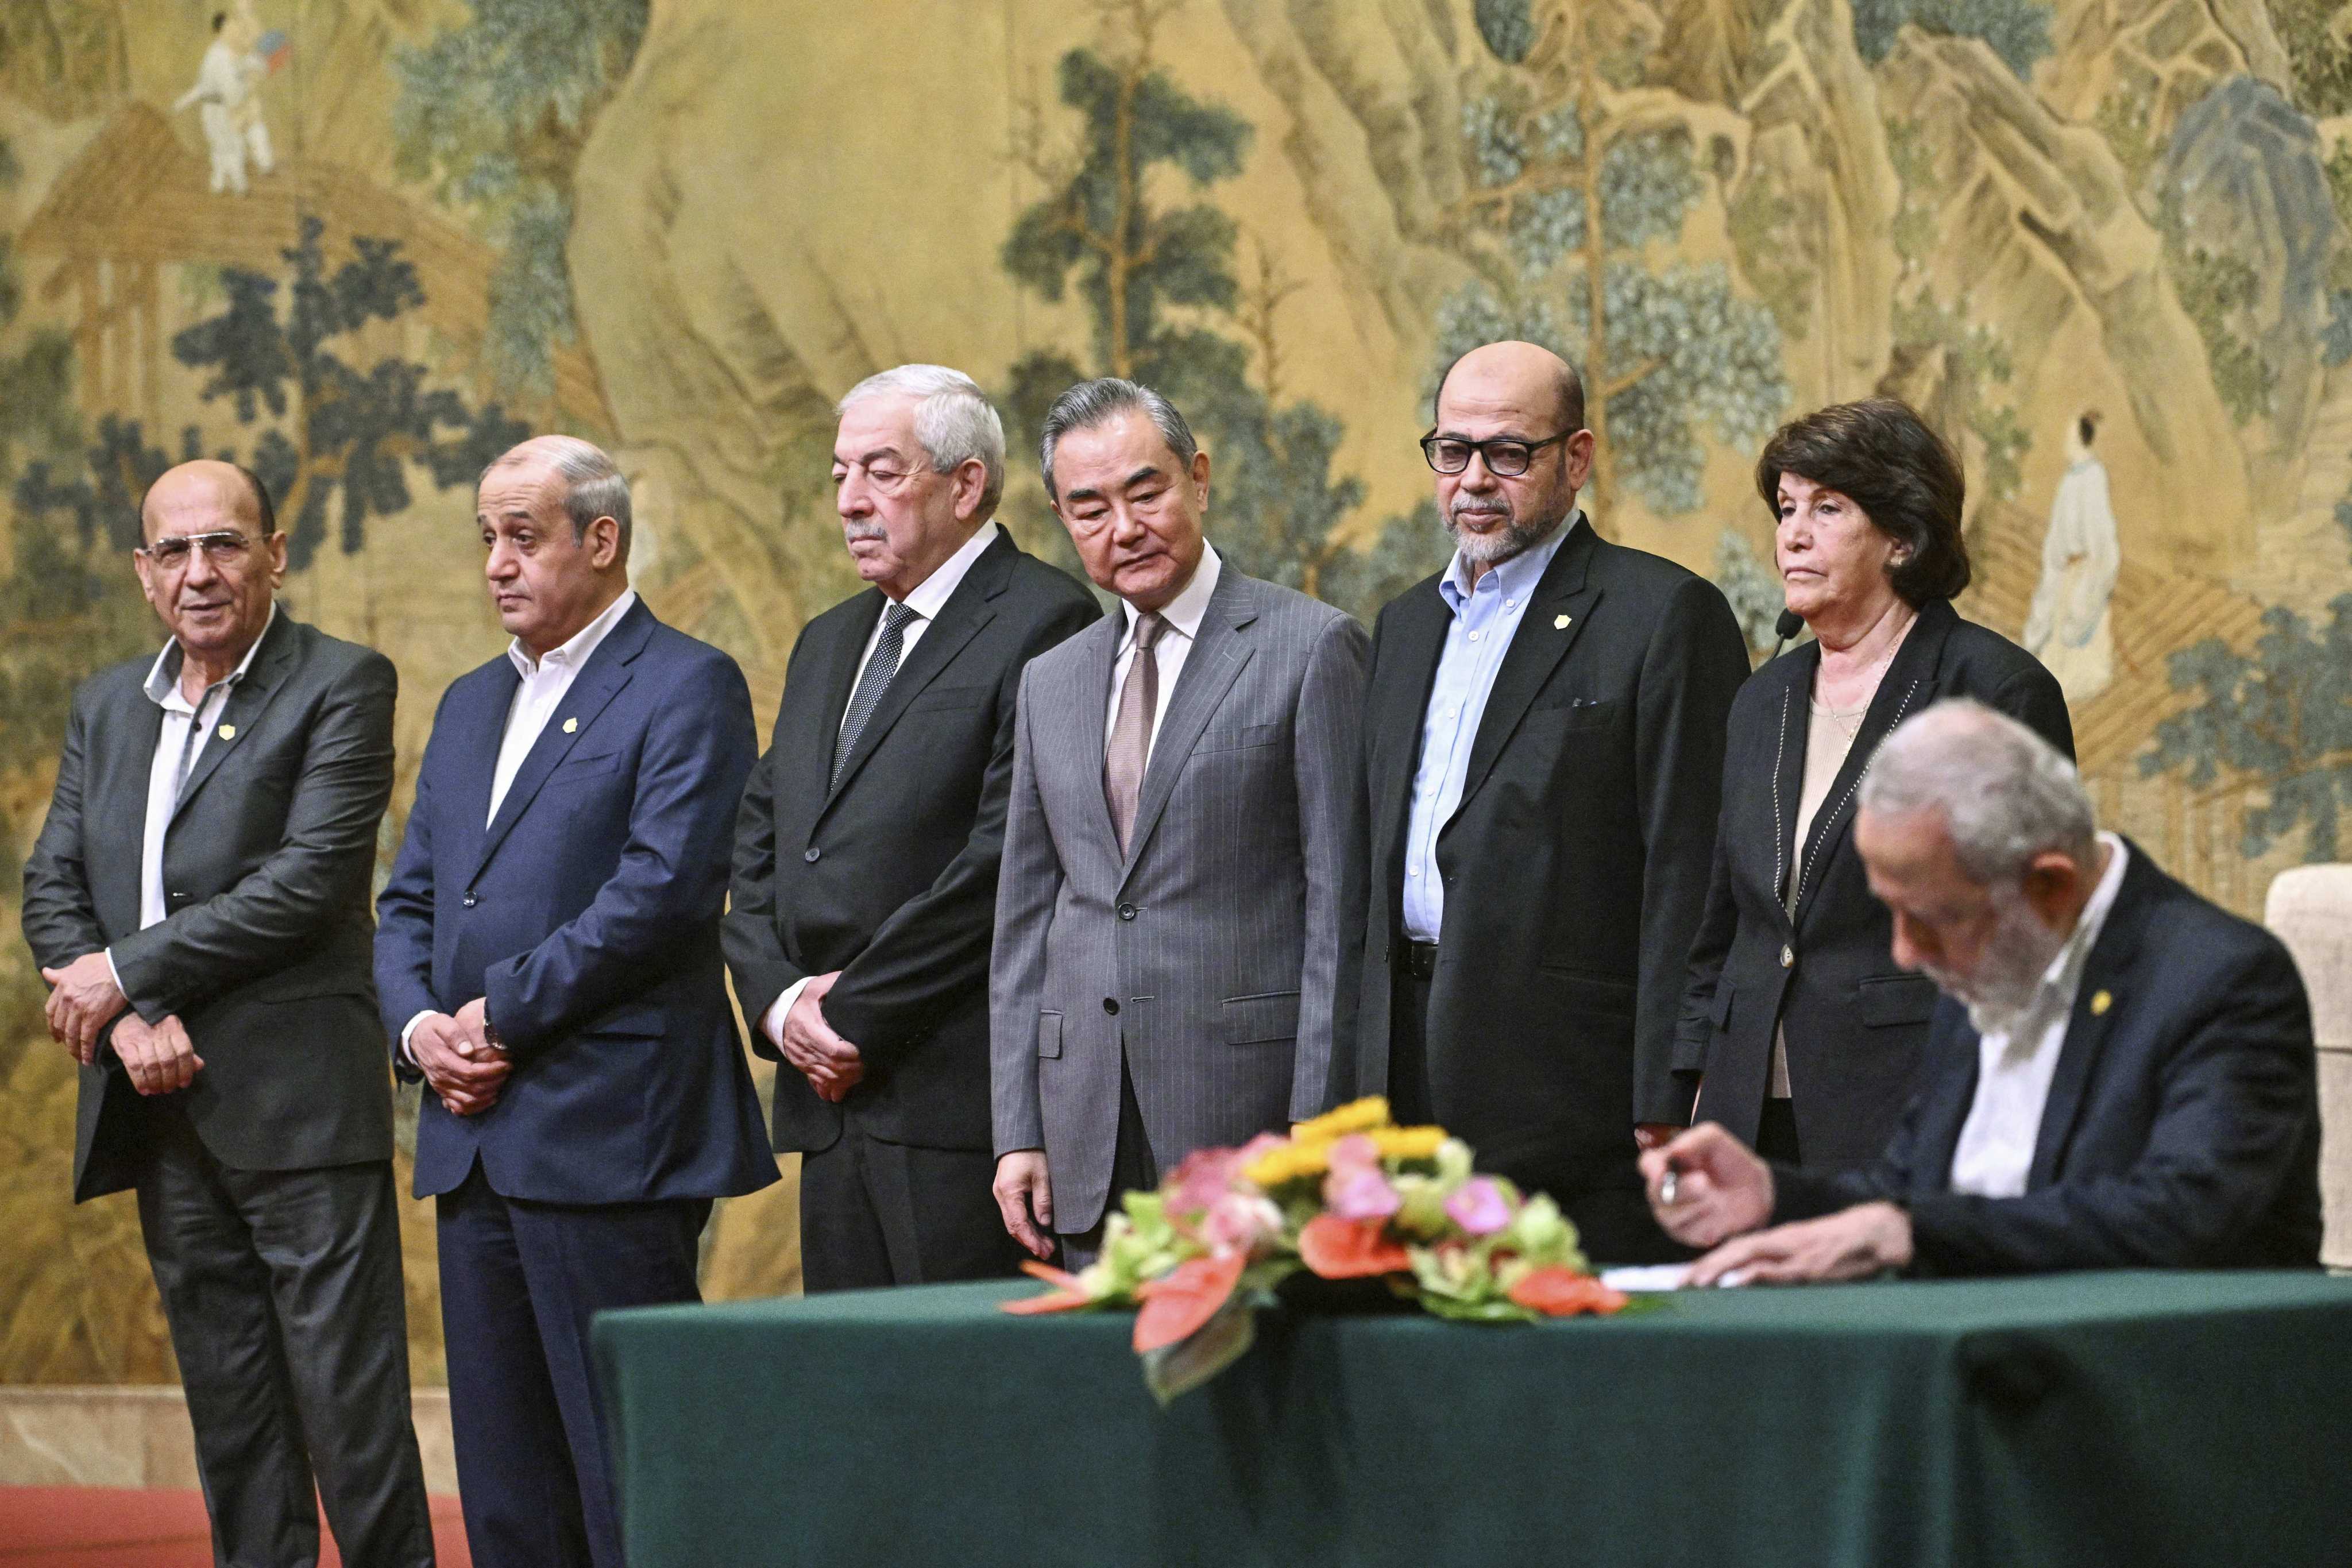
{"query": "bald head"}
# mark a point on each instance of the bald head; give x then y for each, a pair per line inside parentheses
(230, 489)
(209, 560)
(1529, 372)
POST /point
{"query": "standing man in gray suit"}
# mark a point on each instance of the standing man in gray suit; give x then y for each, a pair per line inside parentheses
(1168, 916)
(198, 901)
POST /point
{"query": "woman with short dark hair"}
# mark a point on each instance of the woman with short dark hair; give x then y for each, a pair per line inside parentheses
(1798, 1034)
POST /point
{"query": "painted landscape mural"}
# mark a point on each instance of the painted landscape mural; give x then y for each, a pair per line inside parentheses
(363, 245)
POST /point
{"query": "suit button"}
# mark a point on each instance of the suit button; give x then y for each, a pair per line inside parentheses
(1787, 956)
(469, 900)
(1127, 912)
(810, 854)
(1110, 1005)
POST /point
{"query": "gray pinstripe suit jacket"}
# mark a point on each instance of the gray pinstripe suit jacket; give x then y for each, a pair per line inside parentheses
(1211, 954)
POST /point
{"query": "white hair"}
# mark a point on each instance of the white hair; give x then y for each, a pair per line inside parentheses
(953, 420)
(593, 485)
(2006, 794)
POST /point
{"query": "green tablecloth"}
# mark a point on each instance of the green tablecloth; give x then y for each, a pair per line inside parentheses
(2119, 1418)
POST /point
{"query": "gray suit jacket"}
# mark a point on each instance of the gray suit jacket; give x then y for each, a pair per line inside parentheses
(264, 949)
(1211, 954)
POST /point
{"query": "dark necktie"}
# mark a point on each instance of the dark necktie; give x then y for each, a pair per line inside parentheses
(871, 685)
(1130, 734)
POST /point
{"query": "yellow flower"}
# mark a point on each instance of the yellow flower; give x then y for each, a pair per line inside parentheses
(1408, 1142)
(1361, 1116)
(1288, 1163)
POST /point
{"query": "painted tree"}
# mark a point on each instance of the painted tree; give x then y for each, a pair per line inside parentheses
(494, 114)
(2016, 30)
(1576, 167)
(1159, 281)
(324, 423)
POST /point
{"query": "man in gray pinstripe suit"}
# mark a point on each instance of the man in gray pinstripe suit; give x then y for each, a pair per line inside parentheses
(1168, 952)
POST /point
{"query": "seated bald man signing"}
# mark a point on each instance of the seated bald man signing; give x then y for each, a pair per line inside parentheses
(2120, 1074)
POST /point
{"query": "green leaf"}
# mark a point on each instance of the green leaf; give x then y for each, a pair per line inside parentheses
(1190, 1361)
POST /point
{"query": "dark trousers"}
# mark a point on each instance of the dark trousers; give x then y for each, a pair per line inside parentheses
(519, 1282)
(875, 1214)
(1132, 1170)
(288, 1316)
(1609, 1208)
(1776, 1132)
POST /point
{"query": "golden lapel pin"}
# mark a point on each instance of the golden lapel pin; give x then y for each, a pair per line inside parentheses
(571, 726)
(228, 731)
(2100, 1003)
(1559, 623)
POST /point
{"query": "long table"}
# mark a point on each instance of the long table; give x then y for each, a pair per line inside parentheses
(2093, 1419)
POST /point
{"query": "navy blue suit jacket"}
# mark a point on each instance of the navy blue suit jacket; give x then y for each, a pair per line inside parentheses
(587, 914)
(2182, 1127)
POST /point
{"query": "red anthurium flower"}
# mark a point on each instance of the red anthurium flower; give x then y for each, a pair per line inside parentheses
(1066, 1293)
(1559, 1292)
(1179, 1302)
(1340, 1249)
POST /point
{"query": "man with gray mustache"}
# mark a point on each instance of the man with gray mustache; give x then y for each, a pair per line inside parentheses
(1543, 753)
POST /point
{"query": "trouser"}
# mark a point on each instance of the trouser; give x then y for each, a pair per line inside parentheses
(283, 1293)
(519, 1282)
(1609, 1206)
(875, 1214)
(1132, 1170)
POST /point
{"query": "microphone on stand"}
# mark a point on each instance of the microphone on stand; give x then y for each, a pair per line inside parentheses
(1788, 625)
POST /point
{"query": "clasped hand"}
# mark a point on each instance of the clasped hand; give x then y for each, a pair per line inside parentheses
(83, 999)
(461, 1058)
(831, 1064)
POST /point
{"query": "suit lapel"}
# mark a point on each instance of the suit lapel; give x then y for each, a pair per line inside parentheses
(1946, 1108)
(2106, 972)
(1091, 712)
(1903, 691)
(1210, 671)
(241, 708)
(1415, 631)
(606, 673)
(968, 609)
(1556, 616)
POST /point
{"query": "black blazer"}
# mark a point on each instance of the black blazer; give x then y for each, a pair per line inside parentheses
(2182, 1128)
(263, 949)
(891, 876)
(1855, 1023)
(1575, 866)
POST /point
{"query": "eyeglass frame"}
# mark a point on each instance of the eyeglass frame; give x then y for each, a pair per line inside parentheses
(1479, 449)
(215, 546)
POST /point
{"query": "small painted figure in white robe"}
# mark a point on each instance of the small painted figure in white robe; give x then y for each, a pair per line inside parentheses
(2067, 628)
(228, 102)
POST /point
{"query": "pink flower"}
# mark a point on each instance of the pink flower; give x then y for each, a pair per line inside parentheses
(1204, 1176)
(1239, 1223)
(1360, 1193)
(1478, 1206)
(1354, 1152)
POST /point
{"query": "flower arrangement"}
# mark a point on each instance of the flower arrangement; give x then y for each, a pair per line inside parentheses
(1346, 1197)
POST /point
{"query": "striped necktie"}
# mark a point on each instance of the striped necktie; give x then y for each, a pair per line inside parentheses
(871, 685)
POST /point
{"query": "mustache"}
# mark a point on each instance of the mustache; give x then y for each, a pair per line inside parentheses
(1481, 508)
(853, 532)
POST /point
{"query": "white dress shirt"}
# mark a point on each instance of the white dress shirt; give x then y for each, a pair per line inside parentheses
(2014, 1065)
(926, 599)
(1184, 615)
(187, 726)
(1486, 618)
(542, 690)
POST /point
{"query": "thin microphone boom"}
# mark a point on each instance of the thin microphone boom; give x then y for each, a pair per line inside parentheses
(1788, 625)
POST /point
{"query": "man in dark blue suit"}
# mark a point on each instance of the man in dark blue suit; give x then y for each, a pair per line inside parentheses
(548, 955)
(2120, 1075)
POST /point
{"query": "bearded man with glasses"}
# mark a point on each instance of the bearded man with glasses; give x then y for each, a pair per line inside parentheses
(1544, 752)
(198, 902)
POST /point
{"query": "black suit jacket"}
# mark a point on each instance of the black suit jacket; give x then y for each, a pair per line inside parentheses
(263, 949)
(1574, 868)
(891, 876)
(1855, 1023)
(2182, 1128)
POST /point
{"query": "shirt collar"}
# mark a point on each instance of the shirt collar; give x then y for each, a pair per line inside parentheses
(580, 646)
(163, 675)
(1516, 578)
(930, 596)
(1188, 609)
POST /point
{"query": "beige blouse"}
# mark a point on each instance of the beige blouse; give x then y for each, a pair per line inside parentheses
(1826, 748)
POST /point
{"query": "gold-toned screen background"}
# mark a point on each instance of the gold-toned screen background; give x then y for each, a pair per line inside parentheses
(682, 228)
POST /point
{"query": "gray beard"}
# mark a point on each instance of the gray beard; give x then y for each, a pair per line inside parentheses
(1515, 538)
(2003, 988)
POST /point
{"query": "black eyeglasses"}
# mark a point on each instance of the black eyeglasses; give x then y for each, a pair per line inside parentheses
(220, 549)
(1506, 457)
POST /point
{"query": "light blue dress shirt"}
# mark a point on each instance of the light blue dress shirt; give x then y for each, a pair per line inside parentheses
(1484, 619)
